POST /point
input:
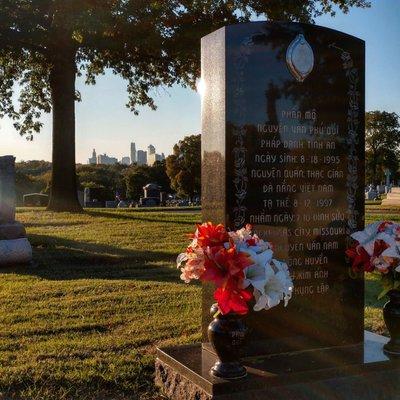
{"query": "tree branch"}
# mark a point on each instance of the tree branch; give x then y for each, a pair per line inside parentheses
(14, 39)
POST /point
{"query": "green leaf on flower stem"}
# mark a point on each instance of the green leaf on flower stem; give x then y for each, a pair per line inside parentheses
(388, 284)
(384, 292)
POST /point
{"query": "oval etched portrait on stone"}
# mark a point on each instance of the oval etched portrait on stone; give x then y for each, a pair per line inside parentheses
(300, 58)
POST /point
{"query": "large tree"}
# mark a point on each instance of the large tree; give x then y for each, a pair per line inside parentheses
(184, 166)
(46, 44)
(382, 144)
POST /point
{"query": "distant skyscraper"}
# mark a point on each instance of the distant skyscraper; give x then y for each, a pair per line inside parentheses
(93, 160)
(152, 158)
(125, 160)
(133, 153)
(106, 160)
(151, 149)
(141, 157)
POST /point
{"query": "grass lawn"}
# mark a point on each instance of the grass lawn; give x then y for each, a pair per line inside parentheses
(83, 323)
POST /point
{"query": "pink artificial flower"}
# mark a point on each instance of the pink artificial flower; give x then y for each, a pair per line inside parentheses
(192, 264)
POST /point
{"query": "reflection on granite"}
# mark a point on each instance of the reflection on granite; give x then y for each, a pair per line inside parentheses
(299, 372)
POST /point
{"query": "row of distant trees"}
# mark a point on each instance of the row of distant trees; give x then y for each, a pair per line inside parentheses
(179, 173)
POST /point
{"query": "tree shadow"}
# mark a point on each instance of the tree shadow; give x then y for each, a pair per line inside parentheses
(64, 259)
(54, 224)
(136, 217)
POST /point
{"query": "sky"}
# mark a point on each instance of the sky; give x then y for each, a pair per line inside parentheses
(104, 123)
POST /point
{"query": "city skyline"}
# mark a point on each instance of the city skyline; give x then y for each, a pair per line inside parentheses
(101, 117)
(138, 156)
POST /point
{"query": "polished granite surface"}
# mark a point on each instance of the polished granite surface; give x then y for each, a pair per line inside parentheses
(281, 369)
(288, 157)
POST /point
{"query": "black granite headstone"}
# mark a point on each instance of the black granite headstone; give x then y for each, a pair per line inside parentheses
(283, 149)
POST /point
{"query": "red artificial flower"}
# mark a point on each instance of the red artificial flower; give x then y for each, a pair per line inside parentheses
(382, 227)
(379, 247)
(222, 264)
(251, 242)
(211, 235)
(232, 299)
(232, 261)
(213, 273)
(361, 259)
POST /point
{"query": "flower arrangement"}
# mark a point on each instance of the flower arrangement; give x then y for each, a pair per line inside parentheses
(377, 250)
(241, 266)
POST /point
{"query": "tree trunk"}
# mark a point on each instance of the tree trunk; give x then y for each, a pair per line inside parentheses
(63, 193)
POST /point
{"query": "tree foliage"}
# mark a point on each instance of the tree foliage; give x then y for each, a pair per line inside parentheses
(147, 43)
(184, 166)
(138, 176)
(109, 177)
(382, 141)
(45, 44)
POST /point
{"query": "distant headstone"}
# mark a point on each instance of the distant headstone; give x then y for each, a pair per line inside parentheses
(81, 198)
(14, 246)
(95, 197)
(35, 200)
(371, 194)
(122, 204)
(283, 149)
(152, 196)
(152, 190)
(387, 176)
(86, 196)
(7, 189)
(380, 189)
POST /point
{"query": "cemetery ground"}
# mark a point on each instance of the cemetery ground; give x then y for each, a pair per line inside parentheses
(84, 321)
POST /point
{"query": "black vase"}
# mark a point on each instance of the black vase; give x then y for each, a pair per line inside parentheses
(391, 314)
(227, 334)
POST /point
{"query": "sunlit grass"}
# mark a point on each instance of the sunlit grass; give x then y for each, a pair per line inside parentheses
(84, 320)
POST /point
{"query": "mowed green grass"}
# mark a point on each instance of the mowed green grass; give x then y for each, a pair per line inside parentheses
(84, 321)
(373, 307)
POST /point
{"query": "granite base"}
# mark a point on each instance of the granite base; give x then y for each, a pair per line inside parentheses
(12, 231)
(182, 373)
(16, 251)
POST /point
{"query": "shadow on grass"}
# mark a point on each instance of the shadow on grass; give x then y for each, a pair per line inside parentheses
(135, 217)
(64, 259)
(54, 224)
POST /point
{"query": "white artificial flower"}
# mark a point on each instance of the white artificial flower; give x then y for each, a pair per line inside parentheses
(367, 237)
(262, 245)
(240, 236)
(278, 287)
(256, 276)
(391, 251)
(181, 259)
